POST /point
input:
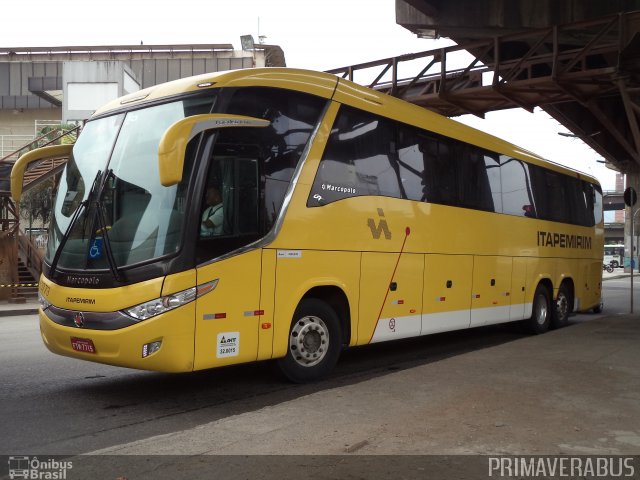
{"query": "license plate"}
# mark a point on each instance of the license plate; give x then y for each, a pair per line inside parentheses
(83, 345)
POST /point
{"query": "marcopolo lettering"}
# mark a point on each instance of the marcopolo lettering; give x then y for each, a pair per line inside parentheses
(77, 280)
(563, 240)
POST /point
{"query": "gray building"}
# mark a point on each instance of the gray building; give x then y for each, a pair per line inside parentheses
(40, 86)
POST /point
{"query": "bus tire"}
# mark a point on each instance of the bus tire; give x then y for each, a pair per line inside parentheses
(314, 343)
(561, 308)
(599, 308)
(541, 311)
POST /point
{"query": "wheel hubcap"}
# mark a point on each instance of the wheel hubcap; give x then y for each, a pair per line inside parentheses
(541, 310)
(562, 305)
(309, 341)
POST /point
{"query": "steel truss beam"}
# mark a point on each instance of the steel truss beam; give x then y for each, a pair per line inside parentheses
(585, 74)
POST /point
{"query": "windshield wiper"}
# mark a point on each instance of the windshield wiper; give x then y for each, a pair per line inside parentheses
(65, 237)
(74, 218)
(102, 224)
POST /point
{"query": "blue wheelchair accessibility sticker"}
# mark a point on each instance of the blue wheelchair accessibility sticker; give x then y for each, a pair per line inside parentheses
(95, 252)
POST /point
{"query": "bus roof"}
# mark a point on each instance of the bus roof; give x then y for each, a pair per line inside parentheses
(341, 90)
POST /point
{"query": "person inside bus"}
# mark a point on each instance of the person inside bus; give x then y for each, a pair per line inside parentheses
(213, 215)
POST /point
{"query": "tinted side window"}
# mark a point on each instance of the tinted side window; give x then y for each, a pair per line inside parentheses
(357, 160)
(492, 168)
(441, 172)
(517, 198)
(293, 116)
(597, 204)
(475, 189)
(410, 145)
(555, 189)
(578, 211)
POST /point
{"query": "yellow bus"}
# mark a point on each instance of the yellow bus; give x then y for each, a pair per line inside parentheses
(287, 214)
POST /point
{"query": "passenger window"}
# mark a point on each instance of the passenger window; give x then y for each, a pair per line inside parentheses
(293, 117)
(357, 160)
(492, 168)
(597, 204)
(441, 172)
(411, 163)
(476, 190)
(517, 197)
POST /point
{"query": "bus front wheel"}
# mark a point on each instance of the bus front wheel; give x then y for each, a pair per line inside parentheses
(314, 344)
(541, 313)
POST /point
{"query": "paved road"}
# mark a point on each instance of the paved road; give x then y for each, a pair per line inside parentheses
(616, 295)
(55, 405)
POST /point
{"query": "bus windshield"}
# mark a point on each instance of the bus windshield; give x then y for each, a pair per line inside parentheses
(111, 183)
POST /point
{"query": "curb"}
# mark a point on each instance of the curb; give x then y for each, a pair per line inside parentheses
(19, 311)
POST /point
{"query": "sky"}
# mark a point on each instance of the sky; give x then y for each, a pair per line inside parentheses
(314, 34)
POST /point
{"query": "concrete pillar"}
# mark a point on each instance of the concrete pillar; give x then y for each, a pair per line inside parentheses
(632, 180)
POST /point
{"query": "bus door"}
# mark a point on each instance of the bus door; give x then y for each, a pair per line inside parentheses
(447, 293)
(491, 291)
(390, 296)
(228, 318)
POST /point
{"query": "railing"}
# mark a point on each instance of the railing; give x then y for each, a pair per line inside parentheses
(38, 125)
(38, 142)
(32, 254)
(9, 144)
(438, 72)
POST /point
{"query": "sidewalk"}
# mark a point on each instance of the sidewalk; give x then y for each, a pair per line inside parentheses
(618, 273)
(10, 309)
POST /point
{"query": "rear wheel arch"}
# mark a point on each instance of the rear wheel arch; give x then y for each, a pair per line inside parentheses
(319, 329)
(338, 301)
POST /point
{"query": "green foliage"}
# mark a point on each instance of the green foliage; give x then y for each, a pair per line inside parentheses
(52, 132)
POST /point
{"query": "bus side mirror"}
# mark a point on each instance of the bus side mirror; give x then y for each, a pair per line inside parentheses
(173, 144)
(44, 153)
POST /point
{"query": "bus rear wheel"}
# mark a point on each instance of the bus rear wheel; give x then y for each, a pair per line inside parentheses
(541, 312)
(561, 308)
(314, 344)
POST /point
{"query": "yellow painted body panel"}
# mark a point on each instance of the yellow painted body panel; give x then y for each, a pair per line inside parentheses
(267, 304)
(519, 287)
(229, 311)
(447, 284)
(394, 308)
(297, 274)
(123, 347)
(491, 287)
(178, 282)
(316, 83)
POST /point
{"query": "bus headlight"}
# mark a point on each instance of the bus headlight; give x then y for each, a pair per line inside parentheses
(164, 304)
(44, 304)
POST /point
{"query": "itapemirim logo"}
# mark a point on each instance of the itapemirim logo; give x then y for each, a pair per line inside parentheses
(33, 468)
